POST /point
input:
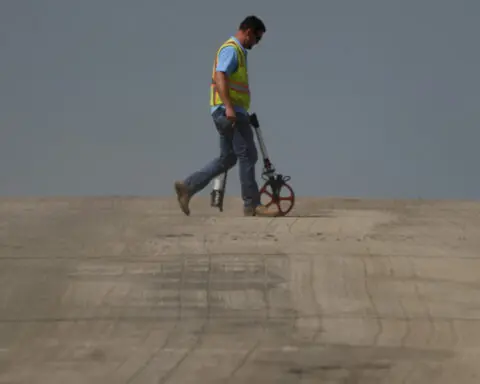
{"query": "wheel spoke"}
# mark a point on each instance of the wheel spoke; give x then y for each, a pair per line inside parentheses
(280, 199)
(268, 194)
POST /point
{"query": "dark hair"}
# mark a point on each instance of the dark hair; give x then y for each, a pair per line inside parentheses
(252, 22)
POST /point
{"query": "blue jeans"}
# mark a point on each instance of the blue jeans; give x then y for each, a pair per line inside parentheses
(236, 143)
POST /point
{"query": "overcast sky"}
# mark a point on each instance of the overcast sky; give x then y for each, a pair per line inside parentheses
(356, 98)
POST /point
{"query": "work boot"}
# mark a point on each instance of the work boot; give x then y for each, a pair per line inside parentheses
(259, 210)
(183, 197)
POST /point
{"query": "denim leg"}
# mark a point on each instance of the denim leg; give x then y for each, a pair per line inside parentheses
(246, 152)
(227, 159)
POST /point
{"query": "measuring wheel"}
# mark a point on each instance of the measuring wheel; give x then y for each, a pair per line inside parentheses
(276, 191)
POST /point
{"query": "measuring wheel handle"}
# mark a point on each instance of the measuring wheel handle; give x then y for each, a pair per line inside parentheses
(254, 120)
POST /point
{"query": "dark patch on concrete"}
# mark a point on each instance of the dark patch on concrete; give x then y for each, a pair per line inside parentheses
(341, 367)
(343, 362)
(345, 373)
(328, 214)
(98, 355)
(175, 235)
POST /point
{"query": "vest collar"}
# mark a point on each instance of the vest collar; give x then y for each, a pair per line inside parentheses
(238, 42)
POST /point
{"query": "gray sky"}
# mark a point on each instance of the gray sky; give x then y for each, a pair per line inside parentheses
(356, 98)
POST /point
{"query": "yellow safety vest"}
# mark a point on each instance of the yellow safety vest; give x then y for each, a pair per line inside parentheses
(237, 82)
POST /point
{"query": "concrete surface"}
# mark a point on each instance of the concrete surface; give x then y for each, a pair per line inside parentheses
(129, 290)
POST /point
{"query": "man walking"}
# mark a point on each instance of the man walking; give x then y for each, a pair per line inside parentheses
(230, 102)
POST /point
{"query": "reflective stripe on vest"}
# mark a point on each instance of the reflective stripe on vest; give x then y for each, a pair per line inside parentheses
(235, 85)
(239, 91)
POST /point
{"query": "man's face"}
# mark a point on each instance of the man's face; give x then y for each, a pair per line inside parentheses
(253, 38)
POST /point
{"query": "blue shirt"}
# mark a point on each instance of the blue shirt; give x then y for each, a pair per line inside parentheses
(227, 62)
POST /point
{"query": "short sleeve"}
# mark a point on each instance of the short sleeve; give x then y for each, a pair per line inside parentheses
(227, 60)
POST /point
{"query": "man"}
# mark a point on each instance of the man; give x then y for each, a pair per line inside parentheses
(230, 103)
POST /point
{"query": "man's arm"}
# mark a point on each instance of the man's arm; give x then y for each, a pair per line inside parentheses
(221, 82)
(226, 64)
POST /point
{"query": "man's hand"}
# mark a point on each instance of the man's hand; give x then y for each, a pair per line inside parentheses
(230, 114)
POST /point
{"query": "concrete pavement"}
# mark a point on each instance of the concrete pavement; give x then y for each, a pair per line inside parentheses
(129, 290)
